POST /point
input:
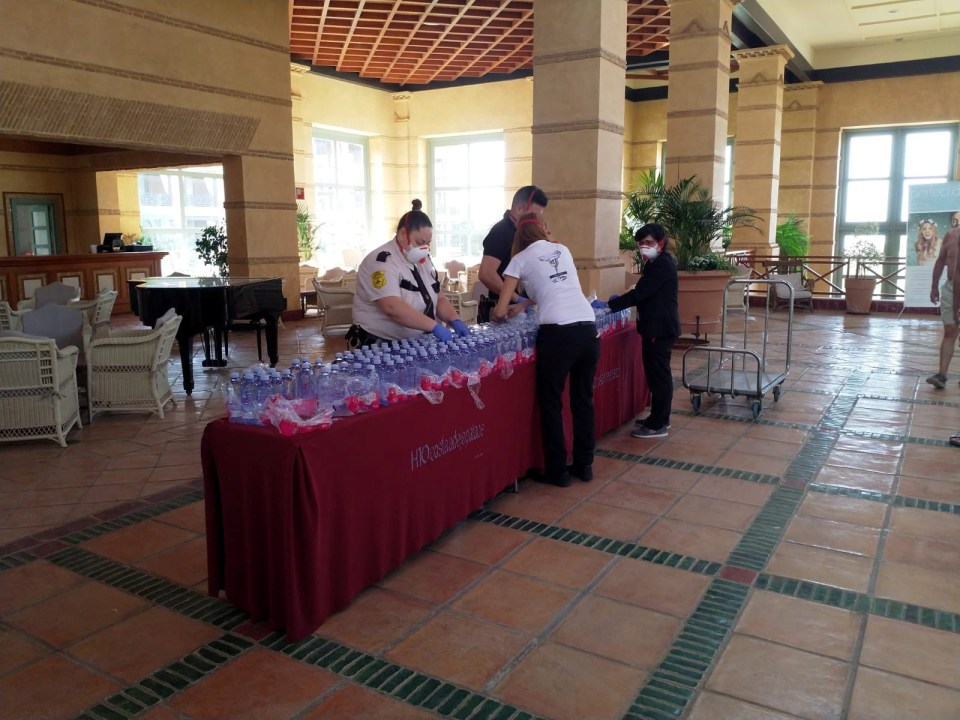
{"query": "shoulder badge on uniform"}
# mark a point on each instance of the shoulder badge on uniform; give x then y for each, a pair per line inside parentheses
(383, 255)
(379, 278)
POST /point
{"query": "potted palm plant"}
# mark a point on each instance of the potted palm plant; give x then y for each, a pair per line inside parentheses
(211, 246)
(697, 228)
(861, 280)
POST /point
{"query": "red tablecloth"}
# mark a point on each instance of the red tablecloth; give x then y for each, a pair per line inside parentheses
(298, 526)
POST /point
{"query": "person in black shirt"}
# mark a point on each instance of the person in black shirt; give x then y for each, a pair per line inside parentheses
(658, 322)
(499, 241)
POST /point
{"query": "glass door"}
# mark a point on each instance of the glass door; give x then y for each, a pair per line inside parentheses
(34, 227)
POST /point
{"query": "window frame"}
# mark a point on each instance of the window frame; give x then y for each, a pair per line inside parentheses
(322, 133)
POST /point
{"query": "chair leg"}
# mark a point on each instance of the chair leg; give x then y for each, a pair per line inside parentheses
(259, 343)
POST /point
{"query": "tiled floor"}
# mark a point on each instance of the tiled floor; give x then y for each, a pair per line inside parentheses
(803, 565)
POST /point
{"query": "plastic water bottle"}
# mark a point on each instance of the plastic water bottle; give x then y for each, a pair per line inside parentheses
(295, 368)
(264, 390)
(248, 395)
(288, 386)
(306, 387)
(324, 391)
(234, 407)
(370, 399)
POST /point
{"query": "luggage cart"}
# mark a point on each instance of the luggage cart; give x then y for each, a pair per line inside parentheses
(727, 370)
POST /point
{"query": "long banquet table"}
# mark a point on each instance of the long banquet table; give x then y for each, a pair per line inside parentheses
(298, 526)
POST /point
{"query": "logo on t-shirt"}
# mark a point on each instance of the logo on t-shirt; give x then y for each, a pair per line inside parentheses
(554, 259)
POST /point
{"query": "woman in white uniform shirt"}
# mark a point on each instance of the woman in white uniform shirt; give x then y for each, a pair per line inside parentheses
(398, 294)
(567, 344)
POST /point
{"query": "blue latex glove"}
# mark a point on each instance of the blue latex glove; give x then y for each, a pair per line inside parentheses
(520, 299)
(599, 304)
(612, 298)
(441, 333)
(461, 327)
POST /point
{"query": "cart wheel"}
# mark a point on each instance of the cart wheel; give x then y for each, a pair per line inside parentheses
(695, 401)
(776, 393)
(755, 407)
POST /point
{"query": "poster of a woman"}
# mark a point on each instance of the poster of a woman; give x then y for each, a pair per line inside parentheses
(927, 244)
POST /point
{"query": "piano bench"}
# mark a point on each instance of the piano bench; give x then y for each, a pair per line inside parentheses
(244, 325)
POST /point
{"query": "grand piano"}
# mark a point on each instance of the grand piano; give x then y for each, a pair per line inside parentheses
(209, 303)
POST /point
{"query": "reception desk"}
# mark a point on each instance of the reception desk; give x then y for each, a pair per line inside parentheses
(21, 276)
(298, 526)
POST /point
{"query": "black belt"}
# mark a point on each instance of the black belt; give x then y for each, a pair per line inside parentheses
(583, 323)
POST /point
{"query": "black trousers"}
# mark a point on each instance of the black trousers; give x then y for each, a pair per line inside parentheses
(564, 350)
(656, 366)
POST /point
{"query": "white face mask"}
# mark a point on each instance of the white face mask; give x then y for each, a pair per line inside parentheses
(649, 252)
(417, 253)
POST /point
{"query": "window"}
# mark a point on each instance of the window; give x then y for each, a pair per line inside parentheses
(175, 206)
(466, 179)
(340, 180)
(877, 166)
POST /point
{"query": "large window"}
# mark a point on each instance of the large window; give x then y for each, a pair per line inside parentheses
(466, 178)
(175, 206)
(340, 178)
(877, 166)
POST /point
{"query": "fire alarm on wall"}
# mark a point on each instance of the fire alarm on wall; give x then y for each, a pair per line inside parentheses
(300, 195)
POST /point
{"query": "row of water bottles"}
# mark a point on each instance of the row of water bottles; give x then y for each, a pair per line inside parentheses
(609, 321)
(386, 373)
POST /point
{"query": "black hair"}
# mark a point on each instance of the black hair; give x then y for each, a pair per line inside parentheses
(529, 195)
(415, 219)
(655, 230)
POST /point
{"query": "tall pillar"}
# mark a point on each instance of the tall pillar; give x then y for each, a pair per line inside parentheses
(699, 92)
(579, 64)
(756, 178)
(801, 103)
(302, 141)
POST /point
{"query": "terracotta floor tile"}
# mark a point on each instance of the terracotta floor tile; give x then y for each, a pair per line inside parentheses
(832, 535)
(146, 642)
(113, 493)
(853, 478)
(920, 586)
(678, 481)
(912, 650)
(567, 684)
(127, 476)
(459, 648)
(606, 521)
(820, 565)
(27, 692)
(160, 712)
(882, 696)
(76, 613)
(886, 464)
(816, 628)
(34, 517)
(656, 587)
(863, 513)
(481, 542)
(33, 582)
(355, 703)
(258, 684)
(189, 517)
(630, 634)
(185, 564)
(670, 450)
(517, 601)
(137, 541)
(700, 541)
(636, 497)
(703, 438)
(710, 706)
(793, 681)
(170, 473)
(925, 522)
(17, 650)
(927, 552)
(713, 512)
(60, 496)
(532, 504)
(137, 460)
(939, 490)
(558, 562)
(432, 576)
(752, 462)
(739, 491)
(765, 447)
(375, 619)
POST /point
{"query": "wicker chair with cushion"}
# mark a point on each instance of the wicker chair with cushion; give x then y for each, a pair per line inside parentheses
(10, 319)
(336, 307)
(127, 369)
(38, 389)
(802, 291)
(56, 293)
(98, 311)
(65, 324)
(466, 309)
(454, 268)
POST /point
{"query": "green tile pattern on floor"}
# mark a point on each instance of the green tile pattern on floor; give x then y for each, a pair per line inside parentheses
(886, 498)
(763, 478)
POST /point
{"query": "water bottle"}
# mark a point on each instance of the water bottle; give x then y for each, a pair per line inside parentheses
(264, 390)
(233, 397)
(390, 390)
(325, 396)
(370, 398)
(248, 395)
(295, 368)
(288, 386)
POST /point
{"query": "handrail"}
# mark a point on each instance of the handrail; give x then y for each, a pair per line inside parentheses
(829, 271)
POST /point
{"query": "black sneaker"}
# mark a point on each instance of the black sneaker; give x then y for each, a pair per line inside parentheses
(644, 432)
(585, 473)
(562, 480)
(938, 380)
(643, 422)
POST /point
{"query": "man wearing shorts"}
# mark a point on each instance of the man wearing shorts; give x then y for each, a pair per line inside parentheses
(945, 296)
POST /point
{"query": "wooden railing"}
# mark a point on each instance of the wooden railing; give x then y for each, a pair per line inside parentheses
(829, 271)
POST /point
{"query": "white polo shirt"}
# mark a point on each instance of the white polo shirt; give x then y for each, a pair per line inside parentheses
(384, 273)
(550, 279)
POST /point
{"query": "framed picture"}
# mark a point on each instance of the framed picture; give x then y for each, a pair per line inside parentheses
(35, 224)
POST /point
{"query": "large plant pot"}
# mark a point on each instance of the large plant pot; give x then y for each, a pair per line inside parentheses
(859, 292)
(701, 296)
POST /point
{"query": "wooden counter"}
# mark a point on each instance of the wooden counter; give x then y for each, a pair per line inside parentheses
(21, 276)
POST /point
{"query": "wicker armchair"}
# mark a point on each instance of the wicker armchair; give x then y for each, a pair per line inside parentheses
(127, 370)
(38, 389)
(466, 309)
(98, 311)
(55, 293)
(336, 307)
(10, 319)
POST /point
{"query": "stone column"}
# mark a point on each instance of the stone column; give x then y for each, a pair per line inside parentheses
(699, 92)
(756, 177)
(579, 73)
(302, 141)
(801, 103)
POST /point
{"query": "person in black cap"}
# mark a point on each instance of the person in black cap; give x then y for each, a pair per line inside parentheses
(499, 241)
(398, 293)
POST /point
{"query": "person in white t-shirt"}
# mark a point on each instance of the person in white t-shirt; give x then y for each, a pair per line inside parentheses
(398, 292)
(567, 344)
